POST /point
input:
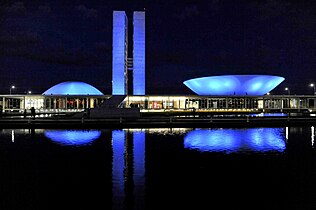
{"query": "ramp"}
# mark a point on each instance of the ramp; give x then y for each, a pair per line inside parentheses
(113, 102)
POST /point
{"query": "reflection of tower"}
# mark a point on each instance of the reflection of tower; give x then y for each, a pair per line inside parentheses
(120, 61)
(118, 138)
(139, 167)
(128, 170)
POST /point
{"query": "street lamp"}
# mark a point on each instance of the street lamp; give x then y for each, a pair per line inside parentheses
(288, 90)
(29, 92)
(312, 85)
(12, 87)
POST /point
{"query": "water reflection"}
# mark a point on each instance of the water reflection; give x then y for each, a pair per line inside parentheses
(313, 135)
(12, 136)
(269, 115)
(162, 131)
(236, 140)
(128, 169)
(146, 168)
(72, 137)
(118, 147)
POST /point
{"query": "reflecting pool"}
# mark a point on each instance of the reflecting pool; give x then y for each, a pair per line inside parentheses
(158, 168)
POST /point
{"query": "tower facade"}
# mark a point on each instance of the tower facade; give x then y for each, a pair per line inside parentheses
(119, 53)
(120, 61)
(139, 53)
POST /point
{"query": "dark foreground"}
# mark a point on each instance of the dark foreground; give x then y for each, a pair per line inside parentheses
(146, 169)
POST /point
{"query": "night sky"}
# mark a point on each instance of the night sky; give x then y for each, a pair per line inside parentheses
(45, 42)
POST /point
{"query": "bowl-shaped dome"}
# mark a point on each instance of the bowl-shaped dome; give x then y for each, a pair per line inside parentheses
(255, 85)
(72, 88)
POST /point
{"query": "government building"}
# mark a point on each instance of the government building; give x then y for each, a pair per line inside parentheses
(223, 93)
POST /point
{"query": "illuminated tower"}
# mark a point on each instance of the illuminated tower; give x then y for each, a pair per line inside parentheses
(119, 53)
(120, 61)
(139, 53)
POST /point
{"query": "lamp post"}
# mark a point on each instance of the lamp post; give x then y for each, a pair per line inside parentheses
(288, 90)
(12, 87)
(29, 92)
(313, 86)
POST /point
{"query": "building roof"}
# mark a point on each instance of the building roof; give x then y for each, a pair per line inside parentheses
(72, 88)
(253, 85)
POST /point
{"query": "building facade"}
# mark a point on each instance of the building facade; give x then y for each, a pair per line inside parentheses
(152, 103)
(121, 63)
(139, 53)
(119, 53)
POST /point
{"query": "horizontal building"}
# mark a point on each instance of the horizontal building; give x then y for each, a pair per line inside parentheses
(154, 103)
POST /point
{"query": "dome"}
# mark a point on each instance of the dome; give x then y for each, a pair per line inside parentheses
(254, 85)
(72, 88)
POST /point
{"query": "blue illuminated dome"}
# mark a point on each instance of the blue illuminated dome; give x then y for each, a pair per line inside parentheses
(254, 85)
(72, 88)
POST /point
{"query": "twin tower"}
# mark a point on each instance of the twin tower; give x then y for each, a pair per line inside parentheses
(121, 62)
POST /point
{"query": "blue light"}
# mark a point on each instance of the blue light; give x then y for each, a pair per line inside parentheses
(236, 140)
(139, 162)
(73, 137)
(139, 151)
(253, 85)
(139, 53)
(119, 53)
(118, 146)
(72, 88)
(269, 115)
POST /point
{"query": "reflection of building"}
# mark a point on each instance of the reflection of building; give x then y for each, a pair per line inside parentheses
(128, 170)
(72, 137)
(236, 140)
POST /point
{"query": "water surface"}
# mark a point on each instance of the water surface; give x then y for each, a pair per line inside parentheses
(218, 168)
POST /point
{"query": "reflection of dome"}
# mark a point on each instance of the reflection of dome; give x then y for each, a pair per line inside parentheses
(254, 85)
(236, 140)
(72, 137)
(72, 88)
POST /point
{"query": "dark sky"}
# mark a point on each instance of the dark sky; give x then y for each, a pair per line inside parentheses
(45, 42)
